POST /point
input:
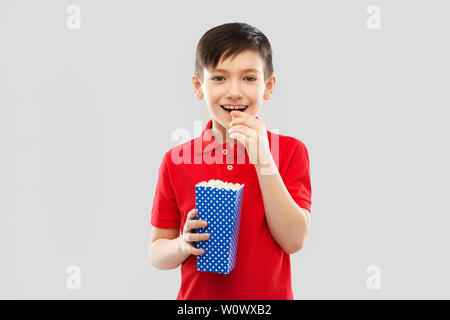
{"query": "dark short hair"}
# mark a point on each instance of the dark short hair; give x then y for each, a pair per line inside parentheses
(232, 39)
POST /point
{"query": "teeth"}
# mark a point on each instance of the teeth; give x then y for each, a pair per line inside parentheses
(234, 107)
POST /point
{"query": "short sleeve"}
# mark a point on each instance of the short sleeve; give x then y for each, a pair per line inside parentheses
(297, 177)
(165, 213)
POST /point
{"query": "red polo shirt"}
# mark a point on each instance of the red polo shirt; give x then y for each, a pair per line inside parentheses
(263, 268)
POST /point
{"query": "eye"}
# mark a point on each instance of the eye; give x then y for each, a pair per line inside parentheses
(251, 78)
(217, 77)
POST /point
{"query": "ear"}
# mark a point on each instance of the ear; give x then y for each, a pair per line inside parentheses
(270, 86)
(197, 86)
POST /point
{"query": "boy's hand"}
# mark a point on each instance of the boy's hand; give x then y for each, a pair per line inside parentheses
(252, 133)
(187, 237)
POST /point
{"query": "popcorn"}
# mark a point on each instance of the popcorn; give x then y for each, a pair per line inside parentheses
(219, 203)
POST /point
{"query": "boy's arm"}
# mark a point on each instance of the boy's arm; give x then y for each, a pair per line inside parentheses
(288, 223)
(165, 250)
(166, 254)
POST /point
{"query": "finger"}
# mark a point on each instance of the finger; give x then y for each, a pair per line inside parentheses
(245, 122)
(196, 224)
(252, 148)
(191, 215)
(250, 132)
(195, 251)
(239, 137)
(240, 116)
(194, 237)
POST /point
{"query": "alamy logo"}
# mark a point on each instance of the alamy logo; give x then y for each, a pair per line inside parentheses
(374, 280)
(374, 19)
(74, 18)
(74, 280)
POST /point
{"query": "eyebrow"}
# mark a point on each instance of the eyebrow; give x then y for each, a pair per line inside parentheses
(246, 70)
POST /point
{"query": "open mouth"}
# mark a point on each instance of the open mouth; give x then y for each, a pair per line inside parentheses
(228, 109)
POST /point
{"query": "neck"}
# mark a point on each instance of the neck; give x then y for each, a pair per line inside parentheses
(221, 133)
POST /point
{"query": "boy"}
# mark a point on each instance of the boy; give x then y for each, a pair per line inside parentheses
(234, 71)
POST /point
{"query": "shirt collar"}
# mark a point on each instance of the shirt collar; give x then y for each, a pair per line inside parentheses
(206, 142)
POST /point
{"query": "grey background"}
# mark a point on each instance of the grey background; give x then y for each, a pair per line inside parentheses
(86, 116)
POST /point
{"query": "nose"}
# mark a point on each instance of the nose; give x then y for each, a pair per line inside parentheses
(234, 90)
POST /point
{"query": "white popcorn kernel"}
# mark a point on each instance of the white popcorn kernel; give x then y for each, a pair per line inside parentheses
(219, 184)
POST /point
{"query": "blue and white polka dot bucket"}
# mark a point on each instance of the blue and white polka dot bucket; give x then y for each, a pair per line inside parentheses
(219, 203)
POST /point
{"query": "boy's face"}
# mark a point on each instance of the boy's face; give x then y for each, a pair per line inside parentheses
(235, 81)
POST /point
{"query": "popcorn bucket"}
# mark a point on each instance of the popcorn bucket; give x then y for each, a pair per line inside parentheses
(219, 203)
